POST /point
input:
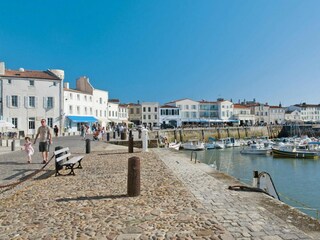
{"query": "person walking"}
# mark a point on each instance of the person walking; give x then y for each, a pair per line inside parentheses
(44, 141)
(56, 130)
(27, 147)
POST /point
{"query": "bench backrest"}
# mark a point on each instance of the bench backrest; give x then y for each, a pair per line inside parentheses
(62, 154)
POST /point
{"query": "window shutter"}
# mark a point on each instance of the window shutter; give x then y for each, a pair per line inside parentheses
(19, 101)
(45, 102)
(36, 102)
(8, 101)
(26, 103)
(53, 102)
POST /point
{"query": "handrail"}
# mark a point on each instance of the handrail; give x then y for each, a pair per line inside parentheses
(195, 156)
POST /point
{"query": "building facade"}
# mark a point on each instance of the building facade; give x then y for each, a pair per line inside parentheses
(243, 114)
(27, 96)
(135, 113)
(170, 116)
(150, 114)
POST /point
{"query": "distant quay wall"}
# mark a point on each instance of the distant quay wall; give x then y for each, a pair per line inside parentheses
(182, 135)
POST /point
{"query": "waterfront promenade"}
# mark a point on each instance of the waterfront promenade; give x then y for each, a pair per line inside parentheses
(179, 200)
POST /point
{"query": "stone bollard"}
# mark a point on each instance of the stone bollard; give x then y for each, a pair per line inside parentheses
(133, 177)
(88, 147)
(145, 139)
(255, 180)
(130, 145)
(108, 136)
(13, 145)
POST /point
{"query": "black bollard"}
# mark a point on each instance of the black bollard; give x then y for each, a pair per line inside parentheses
(108, 136)
(133, 177)
(114, 135)
(13, 145)
(130, 145)
(88, 147)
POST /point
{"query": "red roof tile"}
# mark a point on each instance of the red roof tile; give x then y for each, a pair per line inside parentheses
(30, 74)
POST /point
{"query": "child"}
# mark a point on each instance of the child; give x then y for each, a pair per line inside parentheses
(28, 148)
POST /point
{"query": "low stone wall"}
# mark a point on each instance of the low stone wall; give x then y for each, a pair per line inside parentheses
(182, 135)
(153, 143)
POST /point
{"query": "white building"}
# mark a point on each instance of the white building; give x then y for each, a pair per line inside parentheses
(308, 112)
(293, 116)
(84, 104)
(170, 115)
(27, 96)
(189, 110)
(225, 109)
(243, 114)
(276, 115)
(113, 111)
(150, 114)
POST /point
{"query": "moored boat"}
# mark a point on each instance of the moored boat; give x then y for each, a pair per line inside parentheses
(256, 149)
(291, 152)
(193, 145)
(174, 145)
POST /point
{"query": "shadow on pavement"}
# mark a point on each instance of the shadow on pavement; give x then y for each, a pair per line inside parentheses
(92, 198)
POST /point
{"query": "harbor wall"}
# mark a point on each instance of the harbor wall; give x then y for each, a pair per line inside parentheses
(182, 135)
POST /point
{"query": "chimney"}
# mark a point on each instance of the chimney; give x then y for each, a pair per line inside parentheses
(66, 85)
(2, 68)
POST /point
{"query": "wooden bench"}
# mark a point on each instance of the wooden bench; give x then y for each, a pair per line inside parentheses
(63, 159)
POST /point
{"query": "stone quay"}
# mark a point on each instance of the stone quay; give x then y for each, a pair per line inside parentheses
(179, 199)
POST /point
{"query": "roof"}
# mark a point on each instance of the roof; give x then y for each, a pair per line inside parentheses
(75, 90)
(240, 106)
(204, 101)
(307, 105)
(275, 107)
(30, 74)
(167, 106)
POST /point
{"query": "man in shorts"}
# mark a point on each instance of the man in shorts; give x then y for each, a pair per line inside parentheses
(45, 140)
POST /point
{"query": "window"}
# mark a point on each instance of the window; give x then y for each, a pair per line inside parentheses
(54, 84)
(90, 99)
(144, 109)
(32, 123)
(50, 122)
(78, 110)
(70, 110)
(149, 109)
(155, 117)
(149, 117)
(78, 97)
(32, 101)
(156, 109)
(14, 101)
(131, 111)
(97, 113)
(85, 110)
(49, 102)
(85, 97)
(100, 113)
(31, 82)
(144, 116)
(138, 111)
(9, 81)
(90, 111)
(100, 100)
(15, 122)
(71, 96)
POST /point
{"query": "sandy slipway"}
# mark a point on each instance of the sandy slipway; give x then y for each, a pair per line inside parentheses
(179, 200)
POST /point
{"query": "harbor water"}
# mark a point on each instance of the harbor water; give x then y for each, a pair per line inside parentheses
(296, 180)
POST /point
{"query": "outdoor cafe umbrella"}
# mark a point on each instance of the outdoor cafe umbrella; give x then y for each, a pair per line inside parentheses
(4, 125)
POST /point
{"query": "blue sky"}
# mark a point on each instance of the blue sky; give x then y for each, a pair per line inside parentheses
(169, 49)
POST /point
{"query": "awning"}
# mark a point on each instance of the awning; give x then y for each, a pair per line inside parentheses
(82, 119)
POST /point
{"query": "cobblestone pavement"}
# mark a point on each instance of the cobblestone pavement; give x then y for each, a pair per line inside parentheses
(246, 215)
(178, 200)
(93, 204)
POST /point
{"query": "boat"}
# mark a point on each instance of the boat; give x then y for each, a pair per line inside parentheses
(211, 143)
(290, 151)
(219, 144)
(256, 149)
(193, 145)
(231, 142)
(175, 145)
